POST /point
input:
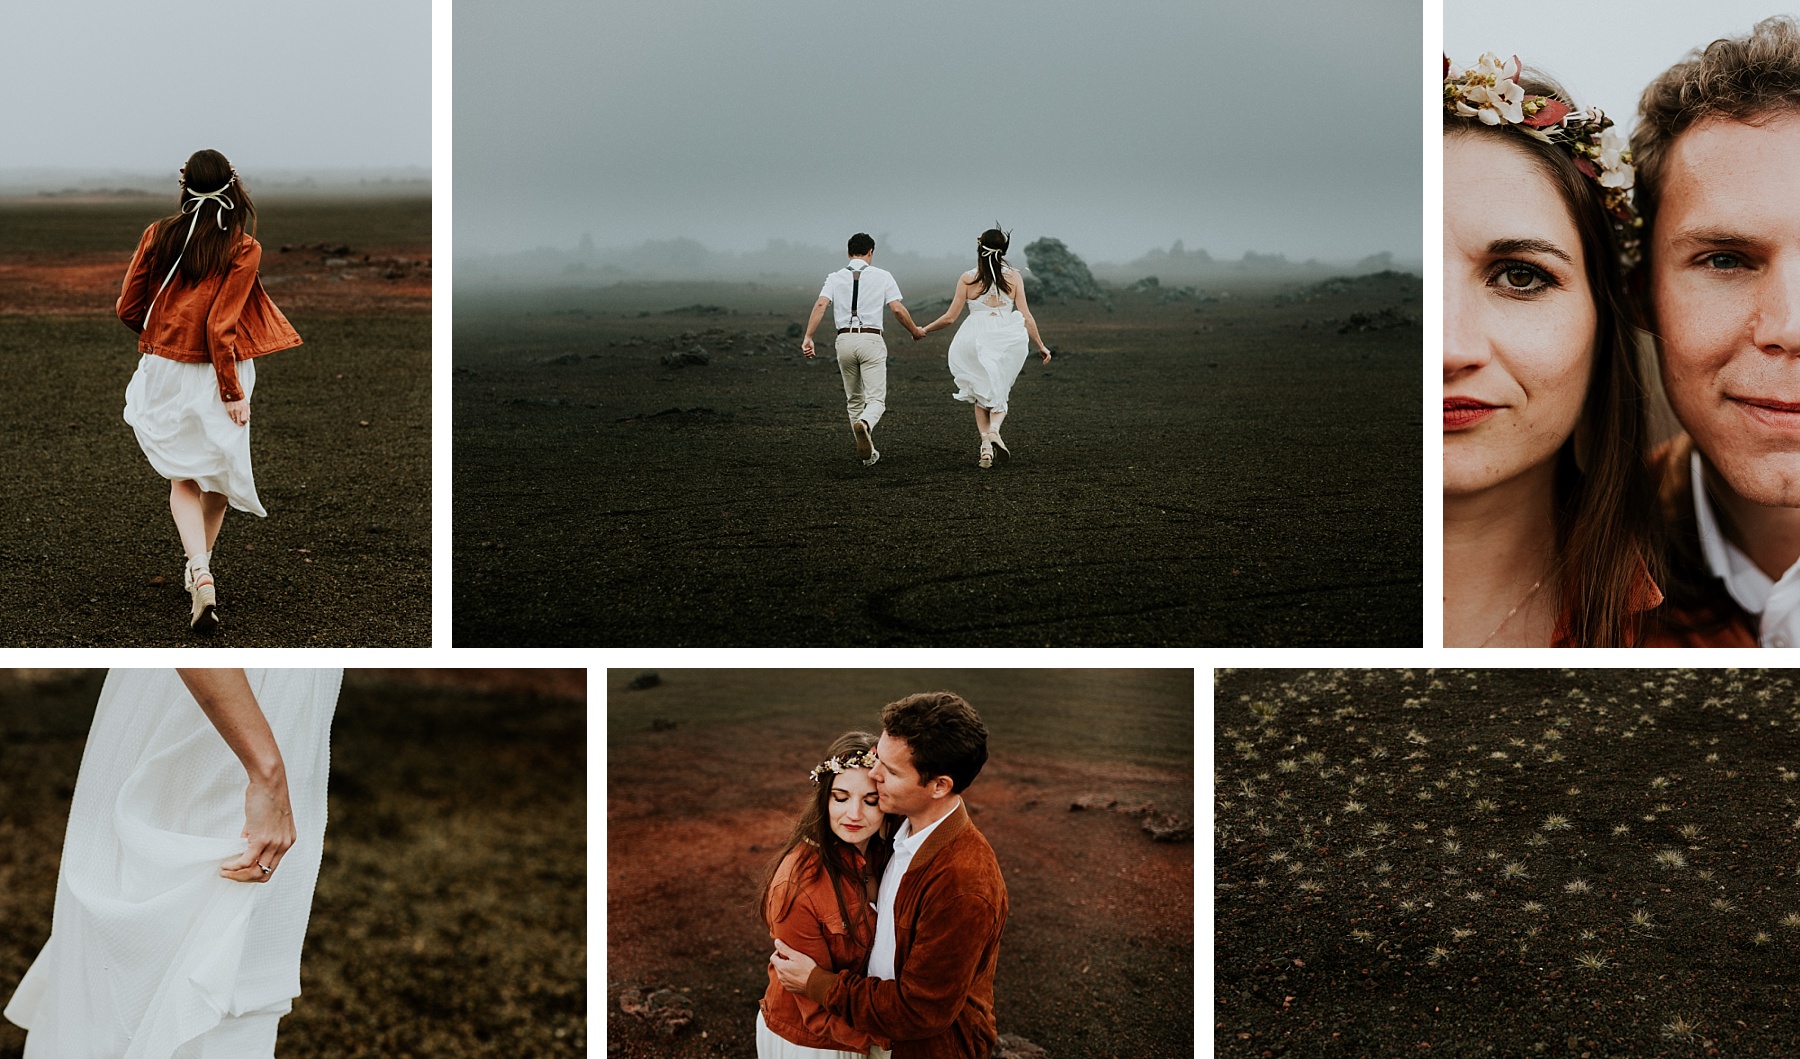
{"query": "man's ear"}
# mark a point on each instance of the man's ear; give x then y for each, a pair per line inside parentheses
(941, 786)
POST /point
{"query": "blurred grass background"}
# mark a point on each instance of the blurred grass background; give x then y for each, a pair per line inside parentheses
(451, 912)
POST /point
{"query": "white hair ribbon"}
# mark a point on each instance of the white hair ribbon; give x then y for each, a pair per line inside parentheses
(217, 198)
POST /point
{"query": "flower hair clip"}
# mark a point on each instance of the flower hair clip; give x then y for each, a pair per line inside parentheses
(864, 760)
(1490, 92)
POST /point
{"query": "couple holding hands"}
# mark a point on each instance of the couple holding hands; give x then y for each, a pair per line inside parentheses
(985, 356)
(1565, 522)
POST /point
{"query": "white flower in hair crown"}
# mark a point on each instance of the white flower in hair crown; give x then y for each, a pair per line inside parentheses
(864, 760)
(1490, 92)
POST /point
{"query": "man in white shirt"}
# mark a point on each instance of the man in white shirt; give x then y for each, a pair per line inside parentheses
(1717, 151)
(857, 292)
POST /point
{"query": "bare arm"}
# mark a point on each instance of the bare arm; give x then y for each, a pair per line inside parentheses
(225, 697)
(1018, 284)
(957, 298)
(812, 322)
(905, 319)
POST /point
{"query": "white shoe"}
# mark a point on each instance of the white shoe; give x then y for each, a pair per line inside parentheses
(865, 444)
(987, 452)
(204, 618)
(874, 454)
(1001, 452)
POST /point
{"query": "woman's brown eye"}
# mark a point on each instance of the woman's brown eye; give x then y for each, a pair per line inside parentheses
(1519, 277)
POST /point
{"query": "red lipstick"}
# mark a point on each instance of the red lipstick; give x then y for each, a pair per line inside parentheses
(1461, 413)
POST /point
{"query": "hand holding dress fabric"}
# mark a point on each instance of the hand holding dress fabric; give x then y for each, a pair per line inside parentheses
(268, 832)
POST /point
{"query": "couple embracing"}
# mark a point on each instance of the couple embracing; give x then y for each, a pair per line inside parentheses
(1563, 525)
(886, 904)
(985, 356)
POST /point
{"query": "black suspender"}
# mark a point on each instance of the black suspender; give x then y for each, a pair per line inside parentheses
(855, 288)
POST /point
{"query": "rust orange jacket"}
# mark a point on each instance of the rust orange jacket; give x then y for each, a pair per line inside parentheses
(948, 915)
(222, 319)
(805, 916)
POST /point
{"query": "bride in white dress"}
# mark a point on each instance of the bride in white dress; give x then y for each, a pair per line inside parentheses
(187, 876)
(990, 347)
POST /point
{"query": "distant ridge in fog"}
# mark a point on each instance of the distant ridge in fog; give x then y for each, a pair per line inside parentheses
(782, 262)
(52, 183)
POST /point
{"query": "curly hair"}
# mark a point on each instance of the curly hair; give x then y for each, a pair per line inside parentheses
(944, 734)
(1742, 79)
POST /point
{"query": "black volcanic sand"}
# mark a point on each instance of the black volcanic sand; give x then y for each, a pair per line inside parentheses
(707, 771)
(450, 917)
(1235, 472)
(1564, 863)
(341, 440)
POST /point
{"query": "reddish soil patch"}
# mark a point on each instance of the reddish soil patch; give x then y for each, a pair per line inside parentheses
(1097, 958)
(379, 280)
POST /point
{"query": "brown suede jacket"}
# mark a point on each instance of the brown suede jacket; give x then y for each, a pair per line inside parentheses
(805, 916)
(1699, 610)
(223, 318)
(948, 915)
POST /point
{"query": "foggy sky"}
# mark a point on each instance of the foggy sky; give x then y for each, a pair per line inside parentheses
(1602, 53)
(138, 86)
(1291, 127)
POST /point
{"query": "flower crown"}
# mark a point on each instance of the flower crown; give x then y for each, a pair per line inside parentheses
(864, 760)
(1490, 92)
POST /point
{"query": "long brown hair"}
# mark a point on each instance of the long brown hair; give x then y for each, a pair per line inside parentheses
(208, 253)
(1607, 525)
(829, 853)
(990, 268)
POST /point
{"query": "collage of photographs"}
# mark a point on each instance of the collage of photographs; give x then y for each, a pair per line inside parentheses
(685, 540)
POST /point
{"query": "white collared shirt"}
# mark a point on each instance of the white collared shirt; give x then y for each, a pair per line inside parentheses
(1777, 603)
(875, 290)
(881, 957)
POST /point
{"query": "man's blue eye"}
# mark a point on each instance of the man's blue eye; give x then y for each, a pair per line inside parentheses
(1723, 261)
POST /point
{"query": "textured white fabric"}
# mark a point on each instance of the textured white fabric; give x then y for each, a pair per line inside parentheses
(772, 1045)
(184, 430)
(988, 350)
(1775, 603)
(152, 955)
(877, 288)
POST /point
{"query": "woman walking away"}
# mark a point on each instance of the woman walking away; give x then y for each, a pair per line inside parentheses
(990, 347)
(193, 296)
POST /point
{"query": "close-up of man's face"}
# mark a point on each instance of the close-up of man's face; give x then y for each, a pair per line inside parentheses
(1725, 297)
(897, 779)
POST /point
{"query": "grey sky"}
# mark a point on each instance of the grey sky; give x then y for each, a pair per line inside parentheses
(138, 86)
(1603, 53)
(1117, 127)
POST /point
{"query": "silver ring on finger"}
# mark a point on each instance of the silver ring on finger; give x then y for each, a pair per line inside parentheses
(266, 869)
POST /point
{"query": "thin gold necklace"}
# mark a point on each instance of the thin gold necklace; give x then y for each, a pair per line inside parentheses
(1509, 614)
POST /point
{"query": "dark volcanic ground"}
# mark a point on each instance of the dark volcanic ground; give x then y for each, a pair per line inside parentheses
(1231, 472)
(1563, 863)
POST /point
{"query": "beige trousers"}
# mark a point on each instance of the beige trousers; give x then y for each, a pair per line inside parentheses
(862, 361)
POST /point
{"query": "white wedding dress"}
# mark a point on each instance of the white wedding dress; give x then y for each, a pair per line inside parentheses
(989, 348)
(152, 955)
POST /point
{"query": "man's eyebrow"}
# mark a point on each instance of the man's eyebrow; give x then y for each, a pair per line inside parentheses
(1528, 246)
(1714, 237)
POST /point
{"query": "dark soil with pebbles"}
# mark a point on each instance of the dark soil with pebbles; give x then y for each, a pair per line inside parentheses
(634, 467)
(1507, 863)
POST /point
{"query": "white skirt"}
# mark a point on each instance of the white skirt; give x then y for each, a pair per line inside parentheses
(152, 955)
(182, 426)
(986, 355)
(772, 1045)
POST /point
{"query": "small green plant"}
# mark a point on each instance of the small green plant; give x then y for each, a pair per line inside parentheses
(1514, 870)
(1641, 918)
(1579, 886)
(1688, 831)
(1354, 806)
(1533, 906)
(1670, 859)
(1486, 805)
(1719, 904)
(1791, 920)
(1762, 938)
(1556, 822)
(1592, 961)
(1437, 955)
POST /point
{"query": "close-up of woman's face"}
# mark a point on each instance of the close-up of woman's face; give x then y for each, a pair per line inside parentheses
(854, 814)
(1519, 316)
